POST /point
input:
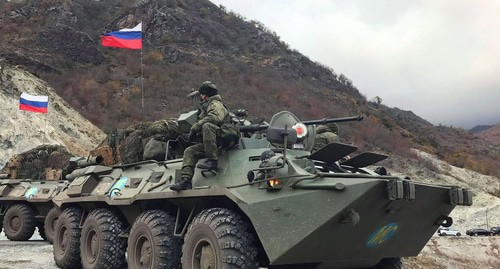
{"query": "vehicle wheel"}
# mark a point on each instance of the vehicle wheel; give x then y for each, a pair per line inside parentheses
(19, 222)
(41, 231)
(50, 223)
(1, 224)
(67, 239)
(218, 238)
(389, 263)
(440, 234)
(459, 234)
(151, 243)
(100, 244)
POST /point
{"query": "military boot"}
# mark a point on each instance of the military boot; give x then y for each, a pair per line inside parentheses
(185, 184)
(209, 164)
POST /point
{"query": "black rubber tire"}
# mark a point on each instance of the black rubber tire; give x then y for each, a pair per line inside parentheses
(67, 239)
(459, 234)
(100, 243)
(41, 231)
(19, 222)
(389, 263)
(1, 224)
(219, 238)
(50, 223)
(151, 243)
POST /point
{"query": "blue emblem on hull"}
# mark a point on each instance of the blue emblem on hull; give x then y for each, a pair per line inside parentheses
(117, 187)
(31, 192)
(381, 235)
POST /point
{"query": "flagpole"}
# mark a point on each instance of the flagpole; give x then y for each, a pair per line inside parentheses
(142, 75)
(142, 81)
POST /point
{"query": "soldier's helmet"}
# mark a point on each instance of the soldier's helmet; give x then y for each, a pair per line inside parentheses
(334, 128)
(208, 88)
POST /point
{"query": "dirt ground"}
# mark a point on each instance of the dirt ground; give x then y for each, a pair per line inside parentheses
(33, 254)
(463, 252)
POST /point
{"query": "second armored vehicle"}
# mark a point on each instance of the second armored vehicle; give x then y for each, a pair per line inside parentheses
(26, 205)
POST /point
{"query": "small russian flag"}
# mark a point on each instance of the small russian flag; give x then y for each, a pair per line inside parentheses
(128, 38)
(33, 103)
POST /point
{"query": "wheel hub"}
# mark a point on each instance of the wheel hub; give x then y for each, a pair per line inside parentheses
(207, 260)
(205, 257)
(92, 246)
(63, 239)
(15, 223)
(144, 252)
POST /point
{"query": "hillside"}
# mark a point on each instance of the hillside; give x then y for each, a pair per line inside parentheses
(480, 128)
(189, 41)
(22, 130)
(491, 135)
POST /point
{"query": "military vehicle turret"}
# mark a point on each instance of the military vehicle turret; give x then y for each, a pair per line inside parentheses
(271, 203)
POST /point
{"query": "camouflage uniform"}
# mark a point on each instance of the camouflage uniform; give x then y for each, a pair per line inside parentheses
(324, 136)
(212, 115)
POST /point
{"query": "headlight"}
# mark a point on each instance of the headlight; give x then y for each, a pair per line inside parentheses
(274, 184)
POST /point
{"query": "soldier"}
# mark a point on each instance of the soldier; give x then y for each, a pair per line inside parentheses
(325, 134)
(211, 116)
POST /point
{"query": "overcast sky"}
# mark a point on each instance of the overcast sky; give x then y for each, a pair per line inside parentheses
(437, 58)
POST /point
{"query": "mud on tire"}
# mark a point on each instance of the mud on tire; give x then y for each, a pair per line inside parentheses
(50, 223)
(219, 238)
(100, 243)
(67, 239)
(19, 222)
(151, 243)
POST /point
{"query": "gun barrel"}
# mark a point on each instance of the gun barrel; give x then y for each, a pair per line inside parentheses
(77, 173)
(90, 161)
(253, 127)
(325, 121)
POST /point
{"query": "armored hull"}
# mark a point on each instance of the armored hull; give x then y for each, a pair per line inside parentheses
(266, 205)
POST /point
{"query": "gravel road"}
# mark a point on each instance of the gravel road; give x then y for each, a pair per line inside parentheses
(33, 254)
(441, 252)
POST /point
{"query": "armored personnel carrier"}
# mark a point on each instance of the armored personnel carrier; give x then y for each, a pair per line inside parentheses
(26, 205)
(271, 203)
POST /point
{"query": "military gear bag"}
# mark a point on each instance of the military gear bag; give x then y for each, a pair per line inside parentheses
(229, 135)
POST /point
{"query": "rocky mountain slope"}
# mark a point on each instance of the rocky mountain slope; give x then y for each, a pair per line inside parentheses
(189, 41)
(485, 211)
(491, 134)
(462, 252)
(22, 130)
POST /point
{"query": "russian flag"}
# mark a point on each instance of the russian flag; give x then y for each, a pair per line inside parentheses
(33, 103)
(128, 38)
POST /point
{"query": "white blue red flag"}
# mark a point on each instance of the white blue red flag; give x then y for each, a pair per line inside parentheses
(128, 38)
(33, 103)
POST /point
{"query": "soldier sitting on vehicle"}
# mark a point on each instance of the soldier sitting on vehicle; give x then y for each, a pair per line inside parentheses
(211, 117)
(325, 134)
